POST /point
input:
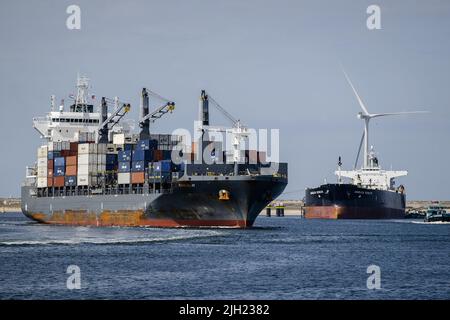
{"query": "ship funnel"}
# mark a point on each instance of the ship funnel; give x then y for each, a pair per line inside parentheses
(145, 126)
(103, 132)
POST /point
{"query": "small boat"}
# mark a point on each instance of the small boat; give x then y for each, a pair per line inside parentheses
(436, 213)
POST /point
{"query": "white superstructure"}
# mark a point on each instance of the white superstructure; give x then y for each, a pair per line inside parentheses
(61, 125)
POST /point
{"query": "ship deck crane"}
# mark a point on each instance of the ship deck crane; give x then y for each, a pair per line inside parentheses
(109, 122)
(238, 131)
(147, 117)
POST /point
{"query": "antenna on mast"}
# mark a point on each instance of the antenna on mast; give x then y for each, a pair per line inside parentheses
(52, 102)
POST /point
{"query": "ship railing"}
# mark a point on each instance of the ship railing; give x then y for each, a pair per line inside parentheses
(93, 191)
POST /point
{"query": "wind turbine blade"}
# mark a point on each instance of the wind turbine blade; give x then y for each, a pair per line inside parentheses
(359, 151)
(396, 113)
(361, 103)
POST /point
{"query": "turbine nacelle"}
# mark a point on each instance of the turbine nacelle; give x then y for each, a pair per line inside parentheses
(361, 116)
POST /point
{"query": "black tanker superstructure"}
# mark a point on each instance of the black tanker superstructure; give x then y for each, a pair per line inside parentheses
(99, 174)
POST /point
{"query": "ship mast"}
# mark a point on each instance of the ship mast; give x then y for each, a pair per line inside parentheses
(82, 92)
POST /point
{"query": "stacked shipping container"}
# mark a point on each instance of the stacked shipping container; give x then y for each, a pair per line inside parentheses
(72, 164)
(42, 170)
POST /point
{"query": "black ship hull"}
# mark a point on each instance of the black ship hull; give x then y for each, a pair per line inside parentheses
(347, 201)
(194, 202)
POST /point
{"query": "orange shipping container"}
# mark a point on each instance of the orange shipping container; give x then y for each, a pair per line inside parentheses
(49, 182)
(50, 173)
(71, 170)
(58, 181)
(137, 177)
(50, 164)
(71, 161)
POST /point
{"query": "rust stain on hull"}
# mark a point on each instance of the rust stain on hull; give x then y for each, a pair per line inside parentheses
(129, 218)
(337, 212)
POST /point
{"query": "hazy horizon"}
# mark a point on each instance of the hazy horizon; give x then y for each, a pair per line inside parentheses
(272, 64)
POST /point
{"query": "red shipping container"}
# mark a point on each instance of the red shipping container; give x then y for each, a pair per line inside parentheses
(71, 161)
(49, 182)
(74, 147)
(71, 170)
(50, 173)
(58, 181)
(137, 177)
(157, 155)
(50, 164)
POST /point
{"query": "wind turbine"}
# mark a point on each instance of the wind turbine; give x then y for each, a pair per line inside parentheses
(366, 116)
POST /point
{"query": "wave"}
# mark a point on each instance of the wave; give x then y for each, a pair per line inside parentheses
(431, 223)
(103, 241)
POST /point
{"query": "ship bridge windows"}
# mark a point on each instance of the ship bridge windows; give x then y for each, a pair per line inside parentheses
(76, 120)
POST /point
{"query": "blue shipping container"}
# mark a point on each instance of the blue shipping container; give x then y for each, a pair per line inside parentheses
(111, 159)
(59, 171)
(60, 162)
(111, 167)
(53, 154)
(142, 155)
(166, 165)
(125, 156)
(124, 166)
(128, 147)
(167, 155)
(138, 166)
(71, 181)
(163, 166)
(146, 145)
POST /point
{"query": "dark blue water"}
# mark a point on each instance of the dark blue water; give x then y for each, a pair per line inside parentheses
(281, 258)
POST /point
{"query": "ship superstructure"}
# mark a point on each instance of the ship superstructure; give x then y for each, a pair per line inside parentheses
(81, 120)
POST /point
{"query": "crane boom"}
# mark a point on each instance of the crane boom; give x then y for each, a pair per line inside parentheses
(223, 111)
(158, 113)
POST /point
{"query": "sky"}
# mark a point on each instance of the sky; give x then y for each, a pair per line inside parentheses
(272, 64)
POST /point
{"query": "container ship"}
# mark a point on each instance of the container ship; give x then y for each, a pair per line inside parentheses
(94, 171)
(371, 192)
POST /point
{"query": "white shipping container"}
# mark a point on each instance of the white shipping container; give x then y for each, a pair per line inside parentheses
(84, 169)
(101, 148)
(124, 178)
(42, 162)
(42, 172)
(42, 182)
(101, 158)
(84, 180)
(86, 159)
(119, 138)
(42, 152)
(83, 148)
